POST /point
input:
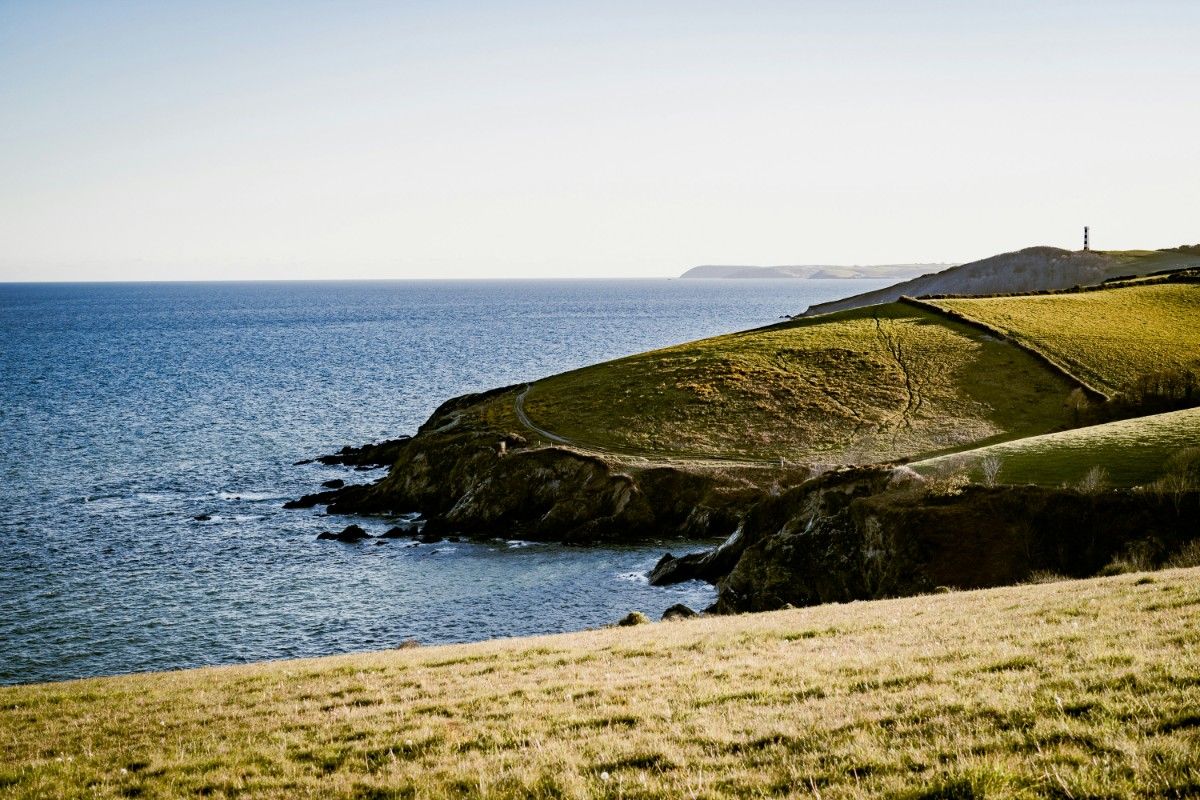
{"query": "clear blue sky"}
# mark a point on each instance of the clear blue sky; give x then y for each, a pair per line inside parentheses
(209, 140)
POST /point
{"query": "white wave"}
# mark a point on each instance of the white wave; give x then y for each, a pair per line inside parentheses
(250, 496)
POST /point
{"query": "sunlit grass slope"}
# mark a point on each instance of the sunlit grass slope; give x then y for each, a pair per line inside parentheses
(1073, 689)
(1105, 337)
(865, 385)
(1132, 452)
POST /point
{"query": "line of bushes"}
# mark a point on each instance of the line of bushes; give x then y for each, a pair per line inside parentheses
(1157, 392)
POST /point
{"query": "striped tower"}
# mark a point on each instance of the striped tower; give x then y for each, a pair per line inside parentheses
(1085, 238)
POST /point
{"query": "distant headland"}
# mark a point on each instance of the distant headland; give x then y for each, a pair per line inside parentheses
(892, 271)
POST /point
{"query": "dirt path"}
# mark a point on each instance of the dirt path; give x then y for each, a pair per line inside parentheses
(519, 407)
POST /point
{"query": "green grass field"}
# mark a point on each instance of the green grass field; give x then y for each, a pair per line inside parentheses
(866, 385)
(1132, 452)
(1108, 337)
(1070, 689)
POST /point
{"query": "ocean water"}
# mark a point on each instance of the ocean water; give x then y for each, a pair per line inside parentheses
(126, 410)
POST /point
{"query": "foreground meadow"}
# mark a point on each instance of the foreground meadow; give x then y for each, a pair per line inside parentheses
(1068, 689)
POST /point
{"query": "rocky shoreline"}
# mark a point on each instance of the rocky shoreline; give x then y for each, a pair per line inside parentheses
(791, 536)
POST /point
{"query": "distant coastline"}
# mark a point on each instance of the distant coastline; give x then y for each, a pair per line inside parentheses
(815, 271)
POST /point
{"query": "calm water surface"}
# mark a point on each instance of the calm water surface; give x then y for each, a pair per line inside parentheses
(128, 409)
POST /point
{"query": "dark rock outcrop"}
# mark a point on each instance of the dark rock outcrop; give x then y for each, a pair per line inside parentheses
(351, 533)
(677, 612)
(456, 474)
(708, 565)
(355, 498)
(851, 536)
(371, 456)
(336, 483)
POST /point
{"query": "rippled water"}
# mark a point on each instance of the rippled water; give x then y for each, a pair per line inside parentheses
(128, 409)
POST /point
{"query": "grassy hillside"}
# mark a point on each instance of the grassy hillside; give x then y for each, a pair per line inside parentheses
(1106, 337)
(860, 386)
(1030, 270)
(1072, 689)
(1132, 452)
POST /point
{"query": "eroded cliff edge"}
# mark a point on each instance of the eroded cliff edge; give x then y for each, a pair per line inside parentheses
(468, 472)
(792, 535)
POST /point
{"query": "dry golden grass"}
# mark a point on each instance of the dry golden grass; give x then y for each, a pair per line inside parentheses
(1107, 338)
(1068, 689)
(866, 385)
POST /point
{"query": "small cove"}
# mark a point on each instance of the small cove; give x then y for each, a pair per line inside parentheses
(129, 410)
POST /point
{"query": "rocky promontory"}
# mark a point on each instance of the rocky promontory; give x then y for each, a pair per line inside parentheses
(467, 475)
(793, 536)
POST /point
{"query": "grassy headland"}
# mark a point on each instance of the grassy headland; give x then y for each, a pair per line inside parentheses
(1071, 689)
(874, 384)
(866, 385)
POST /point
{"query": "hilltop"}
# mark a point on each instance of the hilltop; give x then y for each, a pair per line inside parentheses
(1033, 269)
(813, 271)
(1064, 689)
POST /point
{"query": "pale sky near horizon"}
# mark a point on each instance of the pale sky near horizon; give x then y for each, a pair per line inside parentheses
(211, 140)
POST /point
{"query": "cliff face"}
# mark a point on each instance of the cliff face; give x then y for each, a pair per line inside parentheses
(468, 476)
(854, 538)
(790, 538)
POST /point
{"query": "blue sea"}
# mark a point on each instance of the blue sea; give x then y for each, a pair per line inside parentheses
(127, 410)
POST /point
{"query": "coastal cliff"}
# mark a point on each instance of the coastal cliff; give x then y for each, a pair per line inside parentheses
(791, 536)
(467, 475)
